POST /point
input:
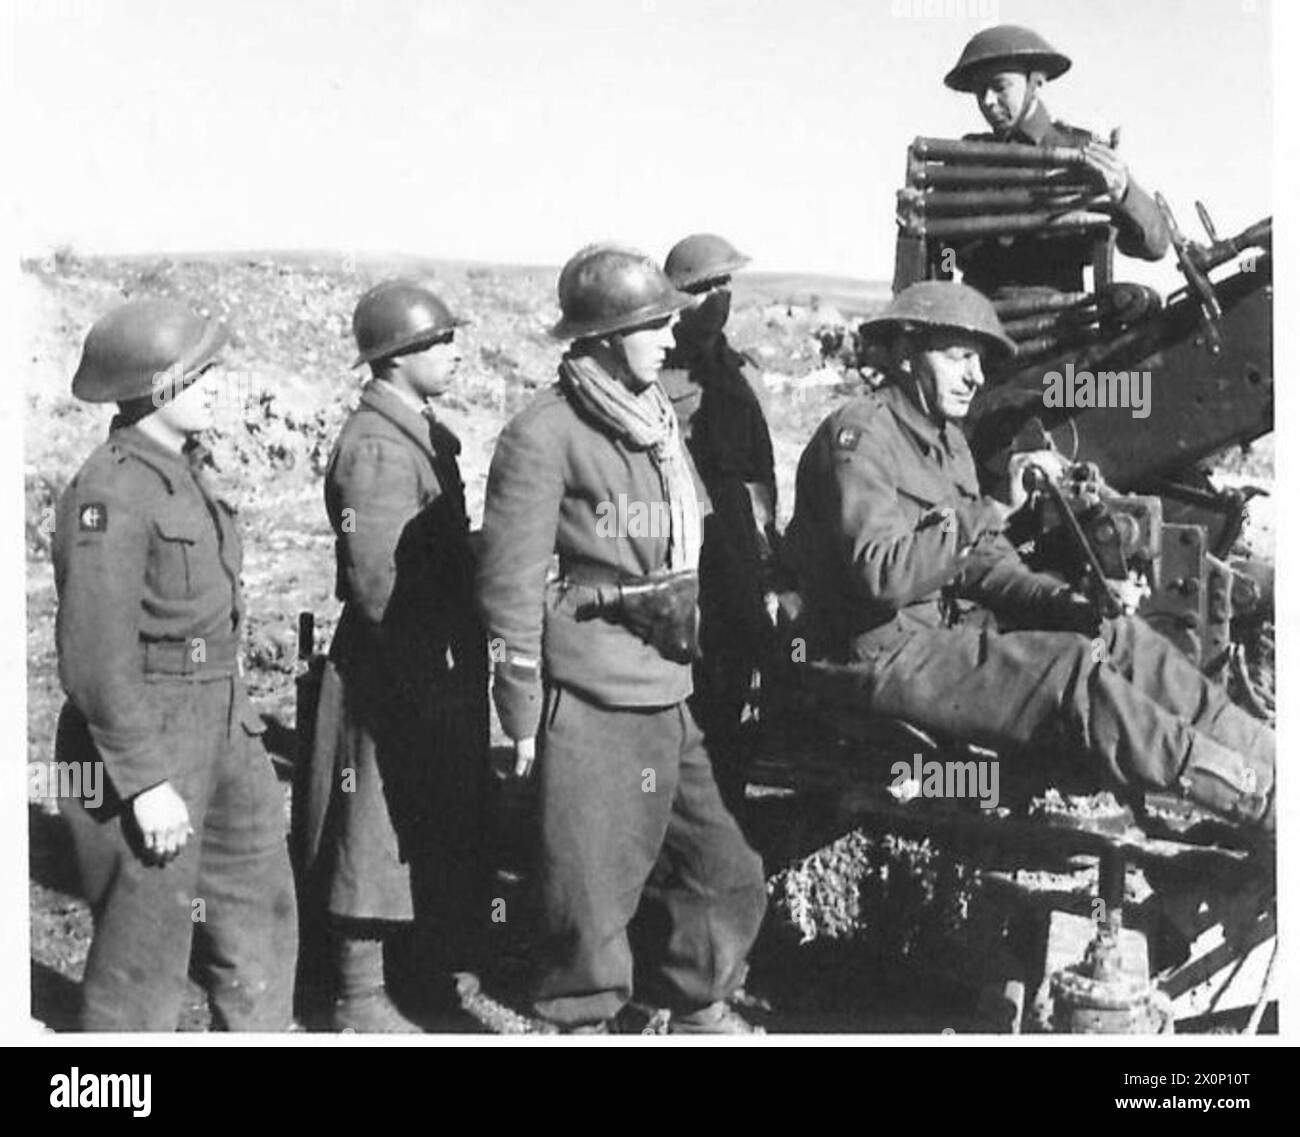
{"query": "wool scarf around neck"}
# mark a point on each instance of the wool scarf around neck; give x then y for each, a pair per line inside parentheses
(643, 420)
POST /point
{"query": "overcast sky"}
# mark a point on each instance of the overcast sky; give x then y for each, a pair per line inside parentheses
(518, 131)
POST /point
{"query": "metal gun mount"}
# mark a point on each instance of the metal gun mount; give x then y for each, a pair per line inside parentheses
(1196, 262)
(1203, 356)
(1088, 527)
(1095, 534)
(818, 763)
(1208, 365)
(1198, 280)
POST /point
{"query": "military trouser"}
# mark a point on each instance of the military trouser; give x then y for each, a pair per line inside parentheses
(224, 906)
(404, 816)
(1129, 698)
(626, 795)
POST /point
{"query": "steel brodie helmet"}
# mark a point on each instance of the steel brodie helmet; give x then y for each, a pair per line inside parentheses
(144, 343)
(943, 305)
(702, 257)
(1019, 49)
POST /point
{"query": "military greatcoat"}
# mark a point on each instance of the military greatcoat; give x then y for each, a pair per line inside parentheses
(391, 824)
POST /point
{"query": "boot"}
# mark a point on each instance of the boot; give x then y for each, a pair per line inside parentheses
(589, 1028)
(1234, 786)
(716, 1018)
(1237, 729)
(433, 979)
(362, 1005)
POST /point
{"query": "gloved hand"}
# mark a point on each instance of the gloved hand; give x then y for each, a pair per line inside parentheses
(662, 610)
(1069, 611)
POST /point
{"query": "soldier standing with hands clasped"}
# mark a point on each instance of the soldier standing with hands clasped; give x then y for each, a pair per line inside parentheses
(389, 820)
(594, 671)
(184, 862)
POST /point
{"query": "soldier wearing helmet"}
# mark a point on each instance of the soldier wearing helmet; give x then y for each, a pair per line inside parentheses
(908, 576)
(1005, 69)
(592, 667)
(721, 406)
(182, 853)
(388, 814)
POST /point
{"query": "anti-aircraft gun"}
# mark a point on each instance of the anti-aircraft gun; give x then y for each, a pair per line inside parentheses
(1135, 499)
(1203, 358)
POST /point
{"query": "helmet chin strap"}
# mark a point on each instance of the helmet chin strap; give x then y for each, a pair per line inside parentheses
(614, 360)
(1033, 81)
(908, 374)
(921, 399)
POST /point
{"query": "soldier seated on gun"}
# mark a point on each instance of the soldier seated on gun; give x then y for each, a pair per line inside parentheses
(1005, 68)
(906, 571)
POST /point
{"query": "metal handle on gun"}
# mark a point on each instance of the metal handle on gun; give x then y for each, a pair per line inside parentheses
(1198, 284)
(1220, 251)
(1036, 478)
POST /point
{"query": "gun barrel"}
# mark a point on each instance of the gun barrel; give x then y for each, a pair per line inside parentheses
(1049, 344)
(1257, 236)
(939, 203)
(960, 150)
(1000, 223)
(1031, 327)
(1032, 304)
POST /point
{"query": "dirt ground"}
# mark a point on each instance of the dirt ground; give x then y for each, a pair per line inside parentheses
(291, 356)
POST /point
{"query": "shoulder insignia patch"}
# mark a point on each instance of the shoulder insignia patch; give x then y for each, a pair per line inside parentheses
(847, 438)
(93, 517)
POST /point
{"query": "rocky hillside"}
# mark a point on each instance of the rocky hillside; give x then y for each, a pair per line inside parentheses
(289, 386)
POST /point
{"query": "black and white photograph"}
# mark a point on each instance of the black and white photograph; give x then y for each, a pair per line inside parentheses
(630, 522)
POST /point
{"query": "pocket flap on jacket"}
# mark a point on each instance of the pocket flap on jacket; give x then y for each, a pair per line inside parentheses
(178, 528)
(927, 491)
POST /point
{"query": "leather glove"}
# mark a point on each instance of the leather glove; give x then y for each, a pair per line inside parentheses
(663, 611)
(1068, 611)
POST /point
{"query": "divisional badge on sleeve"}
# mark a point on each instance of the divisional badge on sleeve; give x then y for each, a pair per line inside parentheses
(847, 438)
(93, 517)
